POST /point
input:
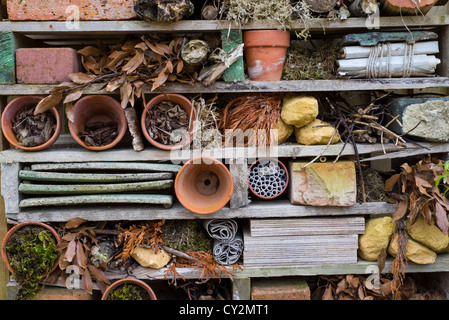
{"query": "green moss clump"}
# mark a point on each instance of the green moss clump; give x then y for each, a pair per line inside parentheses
(31, 253)
(128, 292)
(186, 236)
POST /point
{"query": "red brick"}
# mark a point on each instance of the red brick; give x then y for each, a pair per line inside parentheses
(54, 293)
(46, 65)
(56, 9)
(280, 289)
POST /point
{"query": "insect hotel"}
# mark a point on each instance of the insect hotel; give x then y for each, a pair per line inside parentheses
(224, 150)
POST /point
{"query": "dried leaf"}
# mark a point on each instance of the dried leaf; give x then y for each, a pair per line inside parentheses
(441, 218)
(87, 281)
(406, 168)
(48, 102)
(74, 223)
(98, 274)
(81, 258)
(400, 211)
(81, 78)
(328, 293)
(381, 259)
(70, 111)
(160, 80)
(73, 96)
(391, 182)
(154, 48)
(71, 251)
(89, 51)
(61, 87)
(134, 63)
(342, 285)
(125, 93)
(179, 66)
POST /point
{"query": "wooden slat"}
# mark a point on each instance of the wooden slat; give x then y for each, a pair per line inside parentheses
(92, 177)
(259, 86)
(165, 200)
(267, 209)
(282, 151)
(306, 226)
(65, 189)
(138, 26)
(106, 166)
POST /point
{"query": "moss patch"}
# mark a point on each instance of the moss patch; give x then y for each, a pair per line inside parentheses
(128, 292)
(186, 236)
(31, 253)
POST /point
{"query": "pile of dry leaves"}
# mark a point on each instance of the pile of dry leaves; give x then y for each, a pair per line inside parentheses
(417, 194)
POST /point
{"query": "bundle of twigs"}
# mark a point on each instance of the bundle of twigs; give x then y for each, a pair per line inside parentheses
(251, 116)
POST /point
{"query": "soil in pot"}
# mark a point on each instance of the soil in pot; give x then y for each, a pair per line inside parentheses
(128, 291)
(31, 254)
(165, 117)
(33, 130)
(98, 134)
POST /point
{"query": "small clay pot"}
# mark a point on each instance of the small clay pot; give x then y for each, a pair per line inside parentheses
(203, 185)
(265, 52)
(184, 103)
(132, 281)
(19, 226)
(10, 111)
(100, 108)
(257, 194)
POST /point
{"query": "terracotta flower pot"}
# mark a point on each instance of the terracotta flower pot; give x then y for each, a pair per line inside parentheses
(19, 226)
(100, 108)
(274, 187)
(203, 185)
(132, 281)
(184, 103)
(265, 52)
(10, 111)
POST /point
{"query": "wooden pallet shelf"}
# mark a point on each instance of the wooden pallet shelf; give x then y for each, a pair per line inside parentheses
(151, 154)
(48, 29)
(259, 209)
(386, 84)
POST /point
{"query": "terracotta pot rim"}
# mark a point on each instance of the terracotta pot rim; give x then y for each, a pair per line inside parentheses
(286, 181)
(117, 139)
(150, 104)
(214, 161)
(19, 226)
(119, 282)
(266, 38)
(5, 123)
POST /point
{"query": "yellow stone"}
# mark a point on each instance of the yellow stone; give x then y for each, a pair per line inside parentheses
(147, 258)
(416, 252)
(299, 110)
(316, 132)
(428, 234)
(284, 131)
(377, 236)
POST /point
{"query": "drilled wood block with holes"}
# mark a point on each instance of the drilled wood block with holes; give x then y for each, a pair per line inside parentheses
(46, 65)
(70, 9)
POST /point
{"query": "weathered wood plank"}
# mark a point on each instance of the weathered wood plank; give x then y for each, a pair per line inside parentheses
(268, 209)
(104, 28)
(306, 226)
(63, 189)
(98, 166)
(239, 173)
(165, 200)
(260, 86)
(285, 150)
(92, 177)
(9, 186)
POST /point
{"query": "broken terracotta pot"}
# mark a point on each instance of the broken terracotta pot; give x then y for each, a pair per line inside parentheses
(265, 52)
(204, 185)
(185, 104)
(97, 108)
(11, 110)
(130, 281)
